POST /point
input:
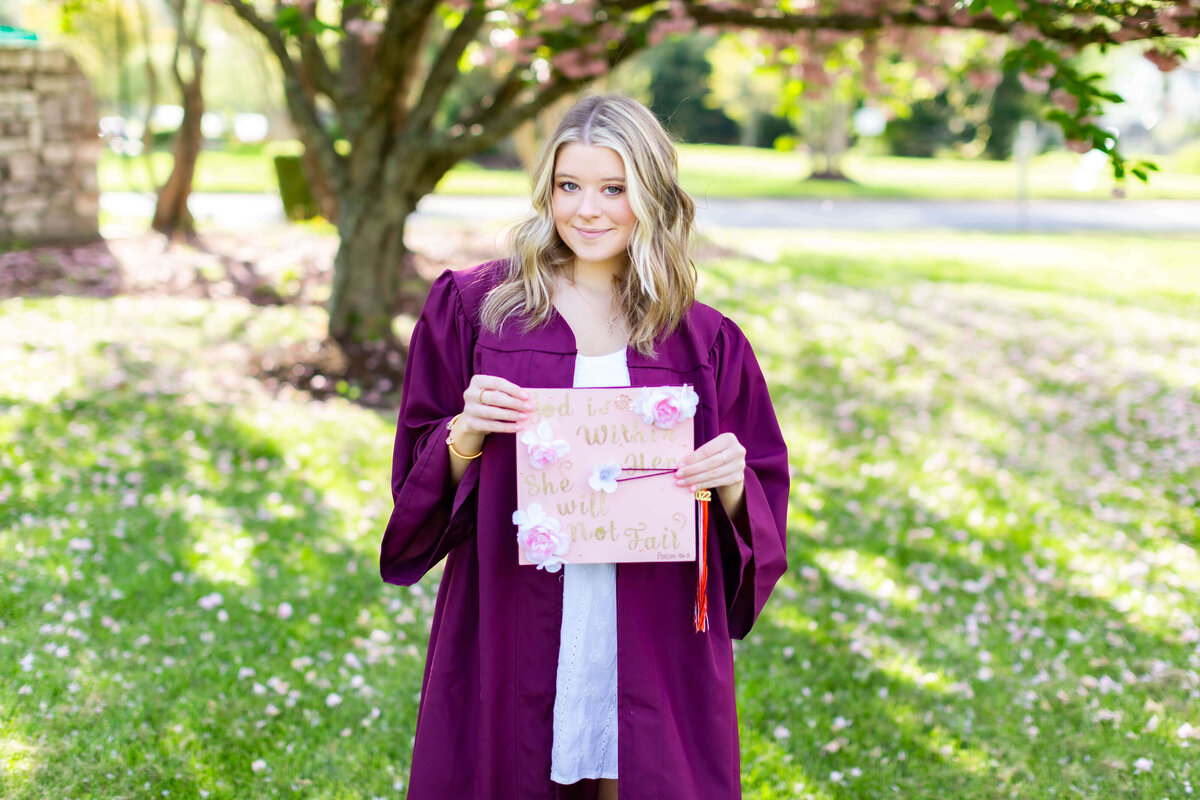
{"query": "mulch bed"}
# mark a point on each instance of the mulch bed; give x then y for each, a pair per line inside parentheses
(287, 264)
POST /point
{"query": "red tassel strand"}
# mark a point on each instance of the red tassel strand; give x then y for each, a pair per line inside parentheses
(700, 616)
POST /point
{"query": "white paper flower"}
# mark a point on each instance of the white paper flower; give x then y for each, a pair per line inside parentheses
(540, 538)
(665, 406)
(543, 448)
(604, 477)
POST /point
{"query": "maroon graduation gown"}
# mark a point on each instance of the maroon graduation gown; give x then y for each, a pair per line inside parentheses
(484, 725)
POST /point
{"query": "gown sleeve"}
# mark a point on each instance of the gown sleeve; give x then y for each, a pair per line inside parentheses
(430, 515)
(753, 543)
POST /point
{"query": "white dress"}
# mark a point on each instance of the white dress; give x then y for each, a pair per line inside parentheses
(585, 701)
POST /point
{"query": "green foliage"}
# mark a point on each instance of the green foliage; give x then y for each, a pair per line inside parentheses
(1010, 104)
(1073, 100)
(926, 130)
(679, 73)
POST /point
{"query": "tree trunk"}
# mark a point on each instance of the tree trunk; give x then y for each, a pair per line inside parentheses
(375, 276)
(171, 214)
(833, 142)
(318, 186)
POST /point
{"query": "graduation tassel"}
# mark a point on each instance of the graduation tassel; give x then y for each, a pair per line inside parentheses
(700, 615)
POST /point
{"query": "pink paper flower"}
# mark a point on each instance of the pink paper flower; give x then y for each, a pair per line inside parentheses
(540, 539)
(543, 448)
(666, 406)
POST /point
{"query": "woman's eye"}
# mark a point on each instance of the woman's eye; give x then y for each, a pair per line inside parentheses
(568, 186)
(613, 190)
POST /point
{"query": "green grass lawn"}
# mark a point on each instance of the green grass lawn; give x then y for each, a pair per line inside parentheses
(720, 171)
(993, 536)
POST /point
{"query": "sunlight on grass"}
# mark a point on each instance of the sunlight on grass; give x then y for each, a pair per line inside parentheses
(993, 534)
(18, 757)
(874, 577)
(1017, 436)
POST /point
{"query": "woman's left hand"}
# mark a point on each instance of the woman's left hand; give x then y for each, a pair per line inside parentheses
(717, 464)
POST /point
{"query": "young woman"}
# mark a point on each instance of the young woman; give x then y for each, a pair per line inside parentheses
(543, 685)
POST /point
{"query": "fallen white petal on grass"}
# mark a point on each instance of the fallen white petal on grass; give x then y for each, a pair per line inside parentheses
(211, 601)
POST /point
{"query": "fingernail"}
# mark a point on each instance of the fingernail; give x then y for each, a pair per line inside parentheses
(529, 406)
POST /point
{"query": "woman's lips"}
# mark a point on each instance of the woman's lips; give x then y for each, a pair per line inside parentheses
(591, 234)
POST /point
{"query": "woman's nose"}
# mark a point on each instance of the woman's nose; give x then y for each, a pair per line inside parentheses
(589, 205)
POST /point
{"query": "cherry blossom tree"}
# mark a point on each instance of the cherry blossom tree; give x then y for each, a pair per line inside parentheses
(388, 96)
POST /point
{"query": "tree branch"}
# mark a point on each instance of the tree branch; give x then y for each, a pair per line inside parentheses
(445, 68)
(316, 67)
(302, 106)
(399, 48)
(930, 17)
(501, 117)
(501, 98)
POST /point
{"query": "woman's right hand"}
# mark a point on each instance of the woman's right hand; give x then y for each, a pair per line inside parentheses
(490, 405)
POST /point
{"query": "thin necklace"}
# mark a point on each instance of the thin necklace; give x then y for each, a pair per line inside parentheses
(610, 322)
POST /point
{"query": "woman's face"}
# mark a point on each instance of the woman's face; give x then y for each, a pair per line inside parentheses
(590, 205)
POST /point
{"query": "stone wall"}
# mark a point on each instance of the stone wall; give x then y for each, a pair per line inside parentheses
(49, 147)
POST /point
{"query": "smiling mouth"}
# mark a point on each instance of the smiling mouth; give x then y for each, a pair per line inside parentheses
(589, 232)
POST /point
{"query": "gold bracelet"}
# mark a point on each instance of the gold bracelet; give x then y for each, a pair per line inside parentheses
(450, 442)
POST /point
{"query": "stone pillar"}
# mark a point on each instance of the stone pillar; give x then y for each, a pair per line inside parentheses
(49, 146)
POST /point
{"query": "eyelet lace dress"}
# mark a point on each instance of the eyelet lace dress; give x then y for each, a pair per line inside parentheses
(585, 702)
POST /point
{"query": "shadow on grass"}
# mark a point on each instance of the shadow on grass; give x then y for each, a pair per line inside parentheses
(186, 604)
(963, 659)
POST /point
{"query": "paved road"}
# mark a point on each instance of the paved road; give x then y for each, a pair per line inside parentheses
(1046, 216)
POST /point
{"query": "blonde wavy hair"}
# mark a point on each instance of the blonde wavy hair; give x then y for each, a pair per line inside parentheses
(660, 284)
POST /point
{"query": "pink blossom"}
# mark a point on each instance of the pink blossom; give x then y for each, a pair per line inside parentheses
(542, 447)
(1032, 84)
(368, 30)
(666, 27)
(541, 456)
(543, 542)
(1166, 62)
(984, 80)
(666, 413)
(666, 406)
(1023, 33)
(1126, 33)
(1065, 100)
(540, 539)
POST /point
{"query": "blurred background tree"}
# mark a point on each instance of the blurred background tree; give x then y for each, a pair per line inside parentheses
(388, 97)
